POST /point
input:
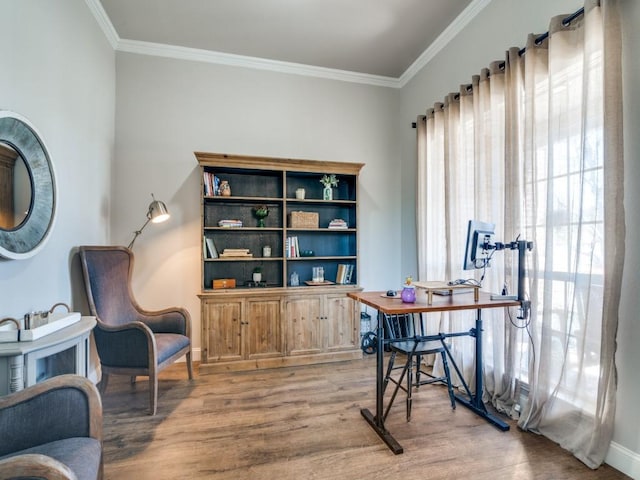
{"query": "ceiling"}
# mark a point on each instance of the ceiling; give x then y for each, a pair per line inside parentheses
(371, 37)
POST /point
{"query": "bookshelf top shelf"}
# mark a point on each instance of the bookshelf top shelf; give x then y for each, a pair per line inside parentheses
(224, 160)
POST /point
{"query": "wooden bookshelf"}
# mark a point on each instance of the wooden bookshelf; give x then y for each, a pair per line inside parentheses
(274, 323)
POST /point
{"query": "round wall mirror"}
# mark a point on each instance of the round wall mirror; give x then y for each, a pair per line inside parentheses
(27, 188)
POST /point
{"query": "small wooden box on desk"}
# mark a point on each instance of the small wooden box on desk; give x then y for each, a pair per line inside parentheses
(446, 289)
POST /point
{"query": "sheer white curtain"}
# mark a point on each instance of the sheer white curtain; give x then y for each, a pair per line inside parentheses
(533, 145)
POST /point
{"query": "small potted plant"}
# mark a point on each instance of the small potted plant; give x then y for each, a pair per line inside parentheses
(408, 293)
(329, 182)
(257, 274)
(261, 212)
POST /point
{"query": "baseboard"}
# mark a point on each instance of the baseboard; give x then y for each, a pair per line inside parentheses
(623, 459)
(195, 356)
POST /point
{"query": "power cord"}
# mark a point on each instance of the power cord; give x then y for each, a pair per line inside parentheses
(465, 281)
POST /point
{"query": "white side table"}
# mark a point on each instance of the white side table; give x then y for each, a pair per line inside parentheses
(67, 350)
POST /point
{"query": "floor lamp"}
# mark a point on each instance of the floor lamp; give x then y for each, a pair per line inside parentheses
(157, 213)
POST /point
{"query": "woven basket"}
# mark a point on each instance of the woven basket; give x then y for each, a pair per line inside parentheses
(303, 220)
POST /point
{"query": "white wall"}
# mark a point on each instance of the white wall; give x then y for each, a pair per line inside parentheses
(167, 109)
(58, 71)
(474, 48)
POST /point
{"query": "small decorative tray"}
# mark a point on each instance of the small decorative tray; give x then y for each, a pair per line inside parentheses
(39, 323)
(315, 284)
(439, 287)
(56, 322)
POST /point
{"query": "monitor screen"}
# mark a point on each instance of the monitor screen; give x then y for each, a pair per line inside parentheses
(480, 236)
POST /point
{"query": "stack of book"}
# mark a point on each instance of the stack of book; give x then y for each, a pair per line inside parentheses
(230, 223)
(292, 247)
(236, 252)
(344, 274)
(338, 223)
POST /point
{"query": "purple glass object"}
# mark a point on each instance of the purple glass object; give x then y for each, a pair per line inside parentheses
(408, 295)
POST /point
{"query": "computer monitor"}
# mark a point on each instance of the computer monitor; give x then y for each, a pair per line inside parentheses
(480, 236)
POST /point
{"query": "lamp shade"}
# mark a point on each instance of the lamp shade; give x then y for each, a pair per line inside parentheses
(158, 212)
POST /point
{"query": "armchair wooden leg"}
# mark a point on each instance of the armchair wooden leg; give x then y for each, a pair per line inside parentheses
(189, 366)
(153, 392)
(102, 386)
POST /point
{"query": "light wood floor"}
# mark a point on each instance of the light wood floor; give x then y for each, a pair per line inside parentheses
(305, 423)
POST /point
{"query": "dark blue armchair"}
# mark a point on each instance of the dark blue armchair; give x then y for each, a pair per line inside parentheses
(52, 430)
(130, 340)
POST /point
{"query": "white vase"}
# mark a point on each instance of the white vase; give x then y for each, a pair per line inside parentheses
(257, 277)
(327, 193)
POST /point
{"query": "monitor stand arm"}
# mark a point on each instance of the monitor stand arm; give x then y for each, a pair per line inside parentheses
(522, 246)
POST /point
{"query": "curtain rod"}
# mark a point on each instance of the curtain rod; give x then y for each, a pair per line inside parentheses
(565, 22)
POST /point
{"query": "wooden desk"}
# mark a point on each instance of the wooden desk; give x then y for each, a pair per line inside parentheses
(394, 305)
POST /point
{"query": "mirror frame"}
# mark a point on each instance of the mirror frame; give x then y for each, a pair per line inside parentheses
(30, 236)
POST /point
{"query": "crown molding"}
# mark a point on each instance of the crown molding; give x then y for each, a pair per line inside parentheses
(105, 23)
(207, 56)
(461, 21)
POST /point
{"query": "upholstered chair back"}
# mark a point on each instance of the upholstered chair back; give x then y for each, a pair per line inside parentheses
(110, 275)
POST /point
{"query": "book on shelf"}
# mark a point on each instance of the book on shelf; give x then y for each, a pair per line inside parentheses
(344, 274)
(211, 184)
(340, 273)
(338, 224)
(210, 248)
(292, 247)
(230, 223)
(349, 274)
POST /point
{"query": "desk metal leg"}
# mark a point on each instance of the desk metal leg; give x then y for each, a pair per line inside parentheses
(474, 402)
(377, 421)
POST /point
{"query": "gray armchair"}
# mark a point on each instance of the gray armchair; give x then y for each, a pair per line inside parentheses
(52, 430)
(130, 340)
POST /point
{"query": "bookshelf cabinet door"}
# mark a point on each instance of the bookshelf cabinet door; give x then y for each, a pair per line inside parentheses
(264, 336)
(221, 330)
(304, 325)
(341, 326)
